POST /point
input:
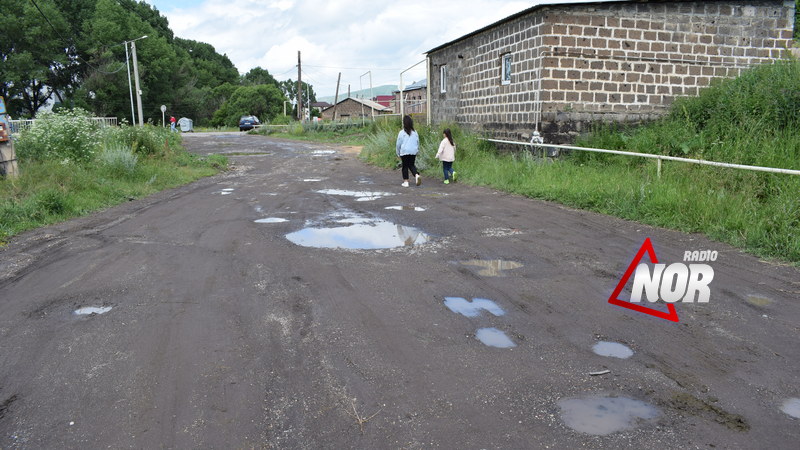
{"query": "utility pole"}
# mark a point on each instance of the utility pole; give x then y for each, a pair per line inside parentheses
(130, 89)
(136, 77)
(336, 98)
(299, 89)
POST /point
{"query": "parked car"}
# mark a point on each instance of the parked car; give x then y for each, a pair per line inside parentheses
(248, 123)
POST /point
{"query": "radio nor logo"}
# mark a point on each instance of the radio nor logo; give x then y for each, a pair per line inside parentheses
(685, 282)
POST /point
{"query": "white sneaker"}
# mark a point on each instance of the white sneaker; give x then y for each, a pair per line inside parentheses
(419, 179)
(405, 184)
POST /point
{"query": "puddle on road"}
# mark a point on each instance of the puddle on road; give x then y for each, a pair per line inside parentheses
(323, 152)
(361, 196)
(758, 300)
(227, 191)
(792, 407)
(492, 267)
(493, 337)
(361, 234)
(89, 310)
(604, 415)
(466, 308)
(406, 208)
(612, 349)
(312, 180)
(272, 220)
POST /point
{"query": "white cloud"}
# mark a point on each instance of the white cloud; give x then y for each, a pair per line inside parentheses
(348, 36)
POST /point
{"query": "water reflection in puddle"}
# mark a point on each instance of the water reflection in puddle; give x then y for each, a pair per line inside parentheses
(613, 349)
(494, 338)
(323, 152)
(792, 407)
(361, 196)
(406, 208)
(604, 415)
(312, 180)
(758, 300)
(472, 309)
(272, 220)
(89, 310)
(361, 234)
(492, 267)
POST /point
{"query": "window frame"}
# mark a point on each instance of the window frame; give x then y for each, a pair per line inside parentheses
(443, 79)
(505, 68)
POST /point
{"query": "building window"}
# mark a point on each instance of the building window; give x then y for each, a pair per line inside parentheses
(443, 79)
(505, 73)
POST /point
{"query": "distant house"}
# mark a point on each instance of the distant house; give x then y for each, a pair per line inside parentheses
(355, 108)
(560, 67)
(319, 106)
(415, 96)
(385, 100)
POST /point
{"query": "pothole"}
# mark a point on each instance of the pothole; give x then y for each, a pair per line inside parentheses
(493, 337)
(466, 308)
(792, 407)
(612, 349)
(90, 310)
(361, 196)
(491, 267)
(360, 234)
(601, 416)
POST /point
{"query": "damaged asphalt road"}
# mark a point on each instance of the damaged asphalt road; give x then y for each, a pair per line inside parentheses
(229, 315)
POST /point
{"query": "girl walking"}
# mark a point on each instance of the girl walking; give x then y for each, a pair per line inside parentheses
(447, 154)
(407, 149)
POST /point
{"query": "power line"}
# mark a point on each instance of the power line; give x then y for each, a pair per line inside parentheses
(349, 68)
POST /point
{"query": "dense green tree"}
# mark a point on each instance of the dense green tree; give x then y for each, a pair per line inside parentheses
(264, 101)
(257, 76)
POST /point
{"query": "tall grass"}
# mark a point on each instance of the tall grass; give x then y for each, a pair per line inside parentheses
(753, 119)
(120, 164)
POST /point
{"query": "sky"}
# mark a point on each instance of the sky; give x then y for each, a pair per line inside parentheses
(362, 39)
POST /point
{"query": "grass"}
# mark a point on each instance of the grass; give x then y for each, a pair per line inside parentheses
(52, 190)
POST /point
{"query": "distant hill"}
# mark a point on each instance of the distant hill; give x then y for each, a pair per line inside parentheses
(386, 89)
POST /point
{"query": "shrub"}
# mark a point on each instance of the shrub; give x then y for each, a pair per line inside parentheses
(118, 160)
(67, 135)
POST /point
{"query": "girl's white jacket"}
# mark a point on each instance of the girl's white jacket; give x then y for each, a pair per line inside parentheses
(447, 151)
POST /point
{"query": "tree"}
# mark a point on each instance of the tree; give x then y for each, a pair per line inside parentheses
(257, 76)
(289, 89)
(264, 101)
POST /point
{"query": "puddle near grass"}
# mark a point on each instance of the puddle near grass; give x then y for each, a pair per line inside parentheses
(492, 267)
(361, 196)
(272, 220)
(494, 338)
(604, 415)
(792, 407)
(323, 152)
(360, 234)
(466, 308)
(89, 310)
(406, 208)
(612, 349)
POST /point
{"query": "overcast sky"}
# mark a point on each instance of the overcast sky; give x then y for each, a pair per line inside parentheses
(348, 36)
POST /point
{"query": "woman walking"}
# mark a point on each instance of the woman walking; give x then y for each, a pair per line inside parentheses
(447, 154)
(407, 149)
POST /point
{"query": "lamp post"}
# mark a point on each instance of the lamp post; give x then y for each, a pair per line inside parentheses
(136, 79)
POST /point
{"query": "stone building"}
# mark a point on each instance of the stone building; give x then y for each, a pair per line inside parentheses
(557, 68)
(415, 96)
(355, 108)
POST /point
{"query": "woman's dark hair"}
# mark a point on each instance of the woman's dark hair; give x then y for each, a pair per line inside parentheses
(408, 125)
(449, 136)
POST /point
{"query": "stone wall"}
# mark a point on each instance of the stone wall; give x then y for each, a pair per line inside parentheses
(572, 65)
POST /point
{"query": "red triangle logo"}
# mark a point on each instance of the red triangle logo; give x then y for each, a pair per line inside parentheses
(647, 247)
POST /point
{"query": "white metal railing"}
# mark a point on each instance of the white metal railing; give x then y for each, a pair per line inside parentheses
(18, 126)
(659, 158)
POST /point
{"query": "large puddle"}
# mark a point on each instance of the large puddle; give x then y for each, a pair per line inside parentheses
(406, 208)
(472, 309)
(359, 234)
(604, 415)
(792, 407)
(612, 349)
(494, 338)
(272, 220)
(361, 196)
(492, 267)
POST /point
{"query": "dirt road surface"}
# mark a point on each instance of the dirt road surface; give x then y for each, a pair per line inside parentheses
(229, 315)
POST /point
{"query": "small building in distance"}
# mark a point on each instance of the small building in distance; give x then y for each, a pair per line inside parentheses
(355, 108)
(415, 96)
